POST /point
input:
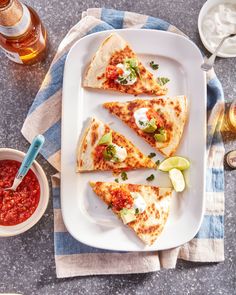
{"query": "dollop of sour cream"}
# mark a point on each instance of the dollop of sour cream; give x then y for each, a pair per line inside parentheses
(140, 117)
(139, 202)
(219, 22)
(126, 75)
(120, 155)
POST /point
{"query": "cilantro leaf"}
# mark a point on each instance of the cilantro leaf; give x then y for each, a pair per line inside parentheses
(122, 80)
(151, 155)
(109, 152)
(157, 162)
(117, 180)
(124, 176)
(153, 65)
(162, 80)
(141, 122)
(150, 178)
(115, 159)
(132, 64)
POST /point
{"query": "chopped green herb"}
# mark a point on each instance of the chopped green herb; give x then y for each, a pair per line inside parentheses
(115, 159)
(133, 74)
(122, 80)
(124, 176)
(117, 180)
(136, 211)
(131, 62)
(141, 123)
(109, 152)
(157, 162)
(153, 65)
(132, 65)
(109, 206)
(151, 155)
(162, 80)
(150, 178)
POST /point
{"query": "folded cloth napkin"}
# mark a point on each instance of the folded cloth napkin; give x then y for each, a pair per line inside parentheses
(76, 259)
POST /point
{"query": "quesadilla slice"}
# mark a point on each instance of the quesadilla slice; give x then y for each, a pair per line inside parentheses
(102, 148)
(143, 208)
(158, 121)
(116, 67)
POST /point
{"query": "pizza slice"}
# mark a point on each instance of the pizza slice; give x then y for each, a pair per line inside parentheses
(143, 208)
(115, 66)
(102, 148)
(159, 121)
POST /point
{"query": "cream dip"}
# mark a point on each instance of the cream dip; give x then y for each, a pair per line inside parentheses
(219, 22)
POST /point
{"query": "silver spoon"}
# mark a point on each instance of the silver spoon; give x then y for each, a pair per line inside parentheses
(209, 63)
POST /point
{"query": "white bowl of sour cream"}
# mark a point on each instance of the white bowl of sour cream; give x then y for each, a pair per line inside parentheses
(216, 20)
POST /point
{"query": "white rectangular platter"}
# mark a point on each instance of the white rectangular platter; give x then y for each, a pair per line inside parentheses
(87, 219)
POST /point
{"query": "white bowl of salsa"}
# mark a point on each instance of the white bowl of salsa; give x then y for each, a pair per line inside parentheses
(20, 210)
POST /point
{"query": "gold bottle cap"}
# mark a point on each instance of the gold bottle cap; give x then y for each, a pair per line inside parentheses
(11, 13)
(231, 159)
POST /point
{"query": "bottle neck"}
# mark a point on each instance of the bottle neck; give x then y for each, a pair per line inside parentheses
(14, 18)
(10, 13)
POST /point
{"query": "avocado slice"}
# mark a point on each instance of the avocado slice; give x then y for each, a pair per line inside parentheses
(127, 215)
(161, 137)
(151, 126)
(106, 139)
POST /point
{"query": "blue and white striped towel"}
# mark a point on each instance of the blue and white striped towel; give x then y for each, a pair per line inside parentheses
(76, 259)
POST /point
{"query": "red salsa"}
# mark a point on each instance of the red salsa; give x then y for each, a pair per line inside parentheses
(17, 206)
(113, 72)
(121, 199)
(158, 119)
(99, 152)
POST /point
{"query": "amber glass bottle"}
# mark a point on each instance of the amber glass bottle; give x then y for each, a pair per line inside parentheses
(229, 122)
(22, 35)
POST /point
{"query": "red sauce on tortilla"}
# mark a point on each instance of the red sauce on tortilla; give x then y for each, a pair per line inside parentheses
(99, 152)
(159, 120)
(113, 72)
(121, 199)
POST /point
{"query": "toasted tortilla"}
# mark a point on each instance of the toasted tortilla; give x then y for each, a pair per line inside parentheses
(150, 223)
(173, 109)
(113, 51)
(87, 159)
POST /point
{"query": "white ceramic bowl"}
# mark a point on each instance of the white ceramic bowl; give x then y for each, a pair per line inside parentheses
(204, 10)
(7, 231)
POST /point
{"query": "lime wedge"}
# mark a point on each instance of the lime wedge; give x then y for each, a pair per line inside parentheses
(177, 179)
(174, 162)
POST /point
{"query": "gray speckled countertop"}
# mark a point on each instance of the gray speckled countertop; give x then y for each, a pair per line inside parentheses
(27, 261)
